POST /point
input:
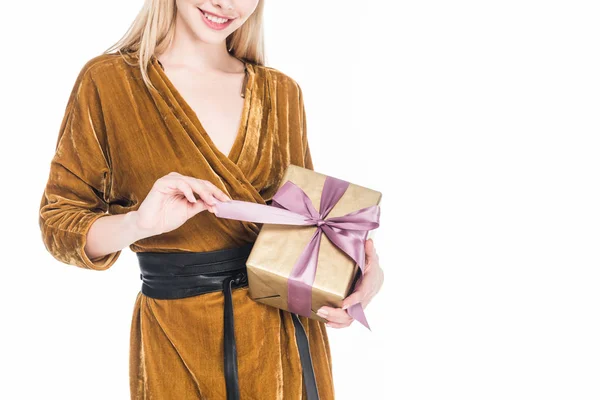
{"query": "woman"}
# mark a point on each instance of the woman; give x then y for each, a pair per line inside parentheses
(150, 124)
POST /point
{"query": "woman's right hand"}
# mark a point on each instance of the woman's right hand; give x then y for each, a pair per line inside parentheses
(171, 202)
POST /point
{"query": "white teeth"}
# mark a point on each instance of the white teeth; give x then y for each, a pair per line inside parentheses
(215, 19)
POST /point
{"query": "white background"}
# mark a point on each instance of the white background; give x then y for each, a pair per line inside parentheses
(477, 120)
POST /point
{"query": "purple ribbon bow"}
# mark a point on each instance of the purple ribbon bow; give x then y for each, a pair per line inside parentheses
(291, 206)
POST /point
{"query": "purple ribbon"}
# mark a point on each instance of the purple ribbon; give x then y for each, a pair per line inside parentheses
(291, 206)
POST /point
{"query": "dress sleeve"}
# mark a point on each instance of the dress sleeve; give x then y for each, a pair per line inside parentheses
(308, 164)
(78, 186)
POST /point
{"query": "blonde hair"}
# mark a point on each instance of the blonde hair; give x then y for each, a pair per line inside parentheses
(153, 28)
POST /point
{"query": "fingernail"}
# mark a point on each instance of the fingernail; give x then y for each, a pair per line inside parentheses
(346, 306)
(323, 312)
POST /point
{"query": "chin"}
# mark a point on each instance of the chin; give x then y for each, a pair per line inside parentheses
(208, 36)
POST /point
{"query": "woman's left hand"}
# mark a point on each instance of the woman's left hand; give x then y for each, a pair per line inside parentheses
(366, 289)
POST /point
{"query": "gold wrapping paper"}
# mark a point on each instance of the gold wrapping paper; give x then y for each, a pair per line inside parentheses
(277, 248)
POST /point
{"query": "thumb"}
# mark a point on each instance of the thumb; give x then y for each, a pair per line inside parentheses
(369, 248)
(198, 206)
(370, 252)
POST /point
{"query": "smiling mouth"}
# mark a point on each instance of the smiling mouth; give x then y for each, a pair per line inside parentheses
(215, 18)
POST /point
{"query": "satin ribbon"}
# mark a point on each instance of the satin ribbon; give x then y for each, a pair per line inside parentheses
(291, 206)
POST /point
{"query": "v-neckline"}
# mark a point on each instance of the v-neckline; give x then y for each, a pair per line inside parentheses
(248, 83)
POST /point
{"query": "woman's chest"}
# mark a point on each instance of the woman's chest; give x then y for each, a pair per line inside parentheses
(149, 140)
(216, 105)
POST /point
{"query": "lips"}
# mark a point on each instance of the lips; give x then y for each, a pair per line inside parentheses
(214, 25)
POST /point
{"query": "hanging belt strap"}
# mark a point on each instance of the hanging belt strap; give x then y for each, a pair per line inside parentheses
(310, 383)
(231, 371)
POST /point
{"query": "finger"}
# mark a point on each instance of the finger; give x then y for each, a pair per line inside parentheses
(375, 254)
(354, 298)
(371, 256)
(208, 198)
(369, 247)
(370, 251)
(185, 188)
(203, 191)
(210, 191)
(332, 314)
(217, 193)
(207, 186)
(338, 325)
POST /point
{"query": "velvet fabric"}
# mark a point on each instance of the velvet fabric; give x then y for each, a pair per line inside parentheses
(116, 139)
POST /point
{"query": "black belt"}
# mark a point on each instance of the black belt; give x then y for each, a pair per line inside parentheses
(186, 274)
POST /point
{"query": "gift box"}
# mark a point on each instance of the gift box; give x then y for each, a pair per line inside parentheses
(279, 247)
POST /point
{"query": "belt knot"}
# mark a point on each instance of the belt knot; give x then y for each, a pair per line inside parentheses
(241, 277)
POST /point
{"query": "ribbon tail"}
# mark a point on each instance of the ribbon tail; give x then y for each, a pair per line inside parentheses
(260, 213)
(357, 312)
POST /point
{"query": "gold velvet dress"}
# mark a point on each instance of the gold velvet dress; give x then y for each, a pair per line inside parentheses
(116, 139)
